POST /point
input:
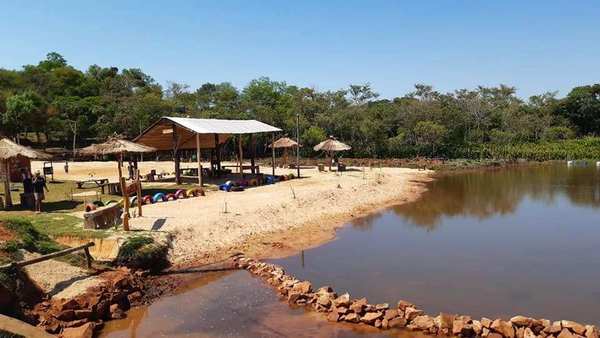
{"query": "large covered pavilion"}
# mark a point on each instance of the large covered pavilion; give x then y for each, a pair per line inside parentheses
(179, 133)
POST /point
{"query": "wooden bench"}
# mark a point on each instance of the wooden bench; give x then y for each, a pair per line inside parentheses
(113, 188)
(244, 167)
(97, 181)
(103, 217)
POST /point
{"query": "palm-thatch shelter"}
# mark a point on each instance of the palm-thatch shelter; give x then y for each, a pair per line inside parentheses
(181, 133)
(284, 143)
(330, 146)
(10, 151)
(116, 146)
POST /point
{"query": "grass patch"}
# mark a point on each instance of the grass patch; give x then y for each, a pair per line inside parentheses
(141, 252)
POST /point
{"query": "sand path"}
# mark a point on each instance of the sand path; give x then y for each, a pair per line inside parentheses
(289, 215)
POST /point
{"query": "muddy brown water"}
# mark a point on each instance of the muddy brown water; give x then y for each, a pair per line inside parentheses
(522, 240)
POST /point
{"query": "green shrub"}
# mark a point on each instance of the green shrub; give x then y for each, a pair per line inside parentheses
(28, 237)
(144, 253)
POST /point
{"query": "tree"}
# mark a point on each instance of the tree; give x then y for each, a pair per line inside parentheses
(429, 133)
(582, 108)
(23, 113)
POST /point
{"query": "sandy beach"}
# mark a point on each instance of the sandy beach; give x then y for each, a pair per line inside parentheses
(266, 221)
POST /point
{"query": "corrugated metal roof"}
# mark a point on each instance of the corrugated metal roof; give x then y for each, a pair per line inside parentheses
(215, 126)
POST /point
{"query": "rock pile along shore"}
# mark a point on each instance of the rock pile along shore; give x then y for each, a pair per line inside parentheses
(406, 315)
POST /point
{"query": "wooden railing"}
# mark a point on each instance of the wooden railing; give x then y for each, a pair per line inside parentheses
(84, 247)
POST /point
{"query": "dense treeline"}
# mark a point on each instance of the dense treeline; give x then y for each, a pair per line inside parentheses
(64, 106)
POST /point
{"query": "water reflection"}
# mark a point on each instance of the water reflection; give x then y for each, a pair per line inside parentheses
(483, 194)
(486, 243)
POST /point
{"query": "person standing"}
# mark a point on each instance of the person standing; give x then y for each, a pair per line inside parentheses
(39, 185)
(28, 199)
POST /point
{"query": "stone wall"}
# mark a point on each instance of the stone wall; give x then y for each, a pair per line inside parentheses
(405, 315)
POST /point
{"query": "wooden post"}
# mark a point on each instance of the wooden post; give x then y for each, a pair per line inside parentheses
(273, 152)
(241, 154)
(252, 153)
(199, 159)
(218, 152)
(8, 197)
(176, 154)
(125, 205)
(124, 194)
(139, 191)
(88, 257)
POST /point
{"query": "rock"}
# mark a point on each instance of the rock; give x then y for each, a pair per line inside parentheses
(53, 326)
(486, 322)
(521, 321)
(565, 333)
(340, 309)
(293, 297)
(370, 317)
(358, 305)
(65, 315)
(411, 313)
(494, 335)
(445, 321)
(529, 333)
(504, 328)
(83, 331)
(333, 317)
(477, 327)
(324, 289)
(520, 332)
(352, 318)
(102, 309)
(70, 304)
(343, 300)
(302, 287)
(591, 331)
(134, 297)
(402, 305)
(382, 307)
(397, 322)
(385, 324)
(324, 301)
(377, 323)
(460, 324)
(390, 314)
(87, 313)
(423, 323)
(554, 328)
(76, 323)
(574, 326)
(116, 312)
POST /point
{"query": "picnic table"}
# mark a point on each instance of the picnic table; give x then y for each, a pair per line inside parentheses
(99, 182)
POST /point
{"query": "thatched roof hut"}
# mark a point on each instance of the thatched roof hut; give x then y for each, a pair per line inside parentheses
(10, 150)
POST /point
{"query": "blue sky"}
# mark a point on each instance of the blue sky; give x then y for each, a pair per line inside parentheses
(536, 46)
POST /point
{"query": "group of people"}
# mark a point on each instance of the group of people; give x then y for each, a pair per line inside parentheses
(35, 185)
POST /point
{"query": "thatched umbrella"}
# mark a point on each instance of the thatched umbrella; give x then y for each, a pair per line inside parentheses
(8, 150)
(285, 143)
(330, 146)
(116, 146)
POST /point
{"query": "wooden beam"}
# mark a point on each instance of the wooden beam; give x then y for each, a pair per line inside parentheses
(198, 157)
(7, 196)
(273, 152)
(47, 257)
(252, 153)
(138, 191)
(241, 159)
(218, 151)
(176, 156)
